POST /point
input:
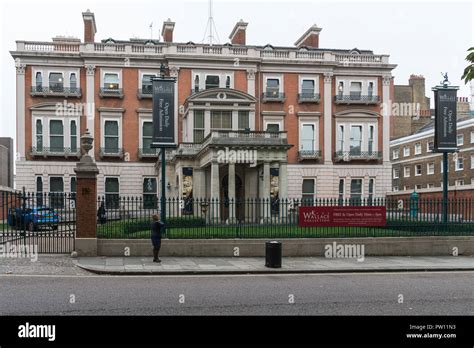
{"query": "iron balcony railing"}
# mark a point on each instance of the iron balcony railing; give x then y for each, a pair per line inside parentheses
(111, 92)
(309, 154)
(356, 99)
(55, 152)
(55, 91)
(357, 155)
(306, 97)
(144, 93)
(148, 152)
(270, 96)
(111, 152)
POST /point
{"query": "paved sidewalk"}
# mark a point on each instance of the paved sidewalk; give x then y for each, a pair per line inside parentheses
(236, 265)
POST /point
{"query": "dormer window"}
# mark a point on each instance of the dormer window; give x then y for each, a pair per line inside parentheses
(212, 81)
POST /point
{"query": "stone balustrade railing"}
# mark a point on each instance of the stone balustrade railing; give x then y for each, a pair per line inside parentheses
(201, 50)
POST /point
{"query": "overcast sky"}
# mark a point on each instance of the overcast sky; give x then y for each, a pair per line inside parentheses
(422, 37)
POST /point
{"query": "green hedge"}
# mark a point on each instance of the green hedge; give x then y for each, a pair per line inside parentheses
(144, 224)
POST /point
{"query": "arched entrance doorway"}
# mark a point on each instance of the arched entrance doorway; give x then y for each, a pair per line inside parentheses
(239, 198)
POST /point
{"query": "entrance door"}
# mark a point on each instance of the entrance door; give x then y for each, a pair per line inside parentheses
(239, 198)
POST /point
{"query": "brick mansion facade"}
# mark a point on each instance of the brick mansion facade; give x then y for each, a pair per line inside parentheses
(311, 115)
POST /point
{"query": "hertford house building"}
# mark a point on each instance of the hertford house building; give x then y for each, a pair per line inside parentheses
(251, 121)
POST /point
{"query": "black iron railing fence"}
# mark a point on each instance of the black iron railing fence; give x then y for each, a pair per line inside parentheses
(45, 221)
(130, 217)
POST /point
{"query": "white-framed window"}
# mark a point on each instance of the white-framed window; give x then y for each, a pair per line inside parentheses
(396, 173)
(472, 137)
(198, 134)
(56, 135)
(212, 81)
(341, 189)
(272, 127)
(472, 161)
(243, 120)
(460, 140)
(430, 168)
(418, 170)
(406, 151)
(371, 139)
(272, 88)
(340, 138)
(196, 83)
(355, 139)
(459, 182)
(221, 120)
(418, 187)
(308, 86)
(111, 79)
(429, 146)
(147, 137)
(340, 88)
(406, 187)
(356, 90)
(406, 172)
(111, 133)
(308, 137)
(73, 81)
(356, 190)
(370, 89)
(430, 186)
(472, 181)
(417, 148)
(146, 83)
(39, 79)
(371, 192)
(150, 198)
(39, 134)
(395, 154)
(459, 164)
(56, 189)
(227, 81)
(73, 135)
(56, 81)
(395, 189)
(112, 192)
(308, 191)
(39, 190)
(73, 184)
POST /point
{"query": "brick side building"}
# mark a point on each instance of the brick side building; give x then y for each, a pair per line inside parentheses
(416, 167)
(313, 116)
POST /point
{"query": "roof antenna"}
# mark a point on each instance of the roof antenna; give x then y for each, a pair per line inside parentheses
(208, 34)
(151, 31)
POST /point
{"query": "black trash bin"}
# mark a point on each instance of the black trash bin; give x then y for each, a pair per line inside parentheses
(273, 254)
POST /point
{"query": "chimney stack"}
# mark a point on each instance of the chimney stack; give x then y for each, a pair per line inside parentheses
(167, 31)
(89, 26)
(237, 36)
(310, 38)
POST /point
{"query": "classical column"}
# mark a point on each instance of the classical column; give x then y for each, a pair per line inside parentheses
(215, 192)
(90, 102)
(283, 190)
(231, 188)
(328, 118)
(386, 80)
(20, 109)
(86, 200)
(266, 191)
(251, 82)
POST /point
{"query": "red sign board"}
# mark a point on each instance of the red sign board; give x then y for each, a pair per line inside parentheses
(342, 216)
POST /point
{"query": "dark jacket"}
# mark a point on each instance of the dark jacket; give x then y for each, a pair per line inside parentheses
(157, 229)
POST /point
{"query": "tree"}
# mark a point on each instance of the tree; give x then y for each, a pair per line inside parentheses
(468, 74)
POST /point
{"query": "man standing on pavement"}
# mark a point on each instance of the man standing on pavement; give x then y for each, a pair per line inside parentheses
(157, 227)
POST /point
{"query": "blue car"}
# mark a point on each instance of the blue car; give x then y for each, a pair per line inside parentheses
(33, 218)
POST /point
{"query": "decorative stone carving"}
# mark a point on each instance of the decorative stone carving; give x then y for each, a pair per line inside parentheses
(386, 79)
(90, 69)
(20, 67)
(251, 74)
(174, 71)
(328, 77)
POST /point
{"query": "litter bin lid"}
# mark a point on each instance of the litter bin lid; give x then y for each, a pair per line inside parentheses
(273, 242)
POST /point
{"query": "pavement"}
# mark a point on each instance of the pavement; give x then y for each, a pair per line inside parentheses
(256, 265)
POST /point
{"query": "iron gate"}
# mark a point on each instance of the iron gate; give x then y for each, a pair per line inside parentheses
(44, 221)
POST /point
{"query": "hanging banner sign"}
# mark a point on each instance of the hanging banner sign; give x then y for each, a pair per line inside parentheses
(163, 113)
(445, 120)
